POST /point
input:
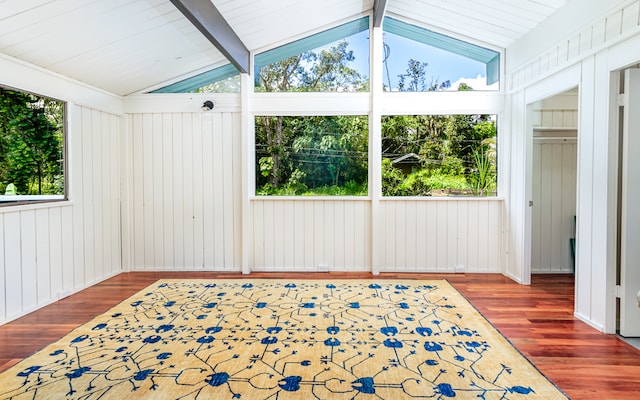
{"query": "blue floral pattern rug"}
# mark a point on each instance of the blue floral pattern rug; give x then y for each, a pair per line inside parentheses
(277, 340)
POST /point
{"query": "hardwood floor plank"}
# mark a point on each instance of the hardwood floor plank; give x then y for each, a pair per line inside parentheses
(537, 319)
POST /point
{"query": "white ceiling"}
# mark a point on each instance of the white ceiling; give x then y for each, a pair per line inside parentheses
(126, 46)
(496, 23)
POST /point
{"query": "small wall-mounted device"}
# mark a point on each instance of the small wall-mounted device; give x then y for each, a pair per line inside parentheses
(207, 105)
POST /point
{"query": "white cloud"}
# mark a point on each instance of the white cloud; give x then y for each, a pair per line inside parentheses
(477, 83)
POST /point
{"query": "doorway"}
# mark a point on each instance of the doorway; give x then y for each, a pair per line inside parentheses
(554, 182)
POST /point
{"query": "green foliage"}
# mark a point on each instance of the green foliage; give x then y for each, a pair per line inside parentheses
(325, 71)
(448, 146)
(420, 183)
(392, 179)
(424, 182)
(266, 166)
(31, 143)
(304, 154)
(328, 155)
(483, 176)
(350, 188)
(451, 166)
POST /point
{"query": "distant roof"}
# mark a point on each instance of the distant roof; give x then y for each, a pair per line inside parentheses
(407, 158)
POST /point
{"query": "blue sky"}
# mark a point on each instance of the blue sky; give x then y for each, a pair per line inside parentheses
(442, 64)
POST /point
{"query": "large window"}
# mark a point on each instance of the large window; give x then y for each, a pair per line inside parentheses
(439, 155)
(32, 164)
(312, 155)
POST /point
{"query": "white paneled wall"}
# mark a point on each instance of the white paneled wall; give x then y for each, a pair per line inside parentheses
(551, 119)
(311, 235)
(186, 208)
(441, 235)
(95, 184)
(597, 35)
(554, 204)
(51, 250)
(186, 204)
(589, 59)
(37, 269)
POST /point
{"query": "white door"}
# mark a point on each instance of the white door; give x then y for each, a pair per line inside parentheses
(630, 208)
(554, 203)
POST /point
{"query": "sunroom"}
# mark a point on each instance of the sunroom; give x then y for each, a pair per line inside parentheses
(373, 136)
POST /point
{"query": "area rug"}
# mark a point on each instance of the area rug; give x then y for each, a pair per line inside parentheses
(273, 339)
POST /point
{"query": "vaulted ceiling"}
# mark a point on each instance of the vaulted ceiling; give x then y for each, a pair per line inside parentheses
(127, 46)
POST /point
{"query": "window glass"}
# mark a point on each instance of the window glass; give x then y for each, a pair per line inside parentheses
(439, 155)
(419, 60)
(227, 85)
(224, 79)
(312, 155)
(336, 60)
(32, 162)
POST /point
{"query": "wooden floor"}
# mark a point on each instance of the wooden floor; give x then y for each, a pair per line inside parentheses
(537, 319)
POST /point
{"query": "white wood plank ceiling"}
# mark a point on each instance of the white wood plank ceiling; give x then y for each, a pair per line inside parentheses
(497, 23)
(127, 46)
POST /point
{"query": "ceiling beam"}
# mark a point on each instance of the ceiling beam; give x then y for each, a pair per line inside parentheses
(206, 17)
(379, 9)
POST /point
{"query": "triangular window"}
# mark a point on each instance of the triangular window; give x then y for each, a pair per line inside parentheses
(418, 60)
(224, 79)
(336, 60)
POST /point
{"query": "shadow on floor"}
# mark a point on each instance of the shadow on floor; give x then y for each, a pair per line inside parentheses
(634, 341)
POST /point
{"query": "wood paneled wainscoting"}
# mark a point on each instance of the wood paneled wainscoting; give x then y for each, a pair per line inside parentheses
(537, 319)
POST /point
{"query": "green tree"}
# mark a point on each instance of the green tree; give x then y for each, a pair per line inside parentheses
(318, 152)
(31, 142)
(415, 79)
(325, 71)
(392, 179)
(332, 150)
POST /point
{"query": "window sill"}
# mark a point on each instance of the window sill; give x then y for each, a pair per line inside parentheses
(310, 198)
(21, 203)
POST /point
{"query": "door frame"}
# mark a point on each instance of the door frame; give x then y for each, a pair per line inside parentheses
(556, 84)
(625, 294)
(618, 58)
